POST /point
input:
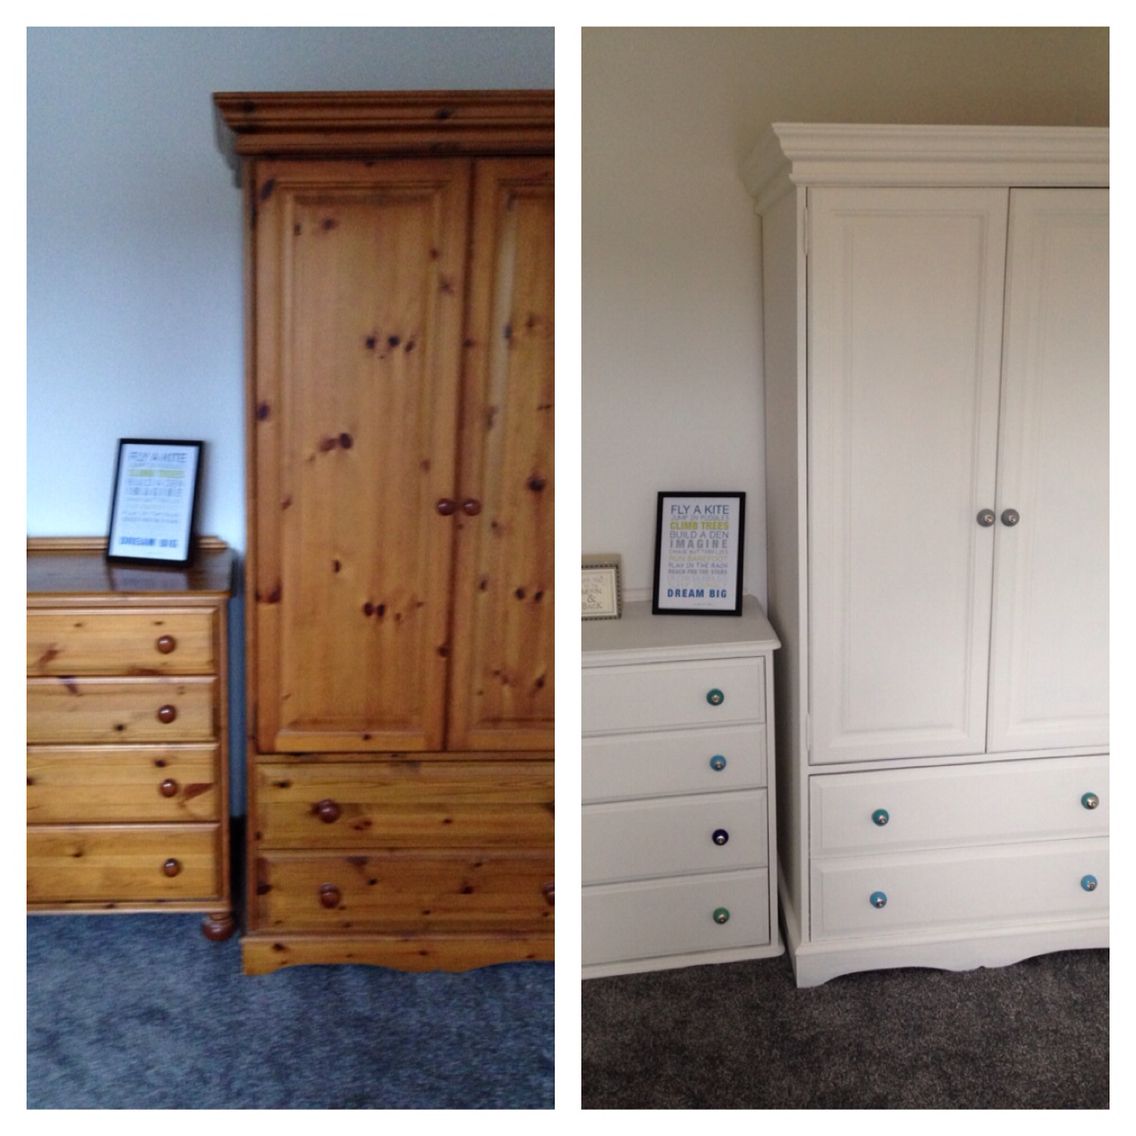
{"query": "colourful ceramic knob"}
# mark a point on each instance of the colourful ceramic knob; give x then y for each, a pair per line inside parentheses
(878, 899)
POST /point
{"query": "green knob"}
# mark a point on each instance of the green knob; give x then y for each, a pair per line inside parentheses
(715, 697)
(721, 915)
(880, 817)
(1090, 800)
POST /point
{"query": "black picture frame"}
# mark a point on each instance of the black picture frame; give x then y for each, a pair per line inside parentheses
(706, 578)
(153, 507)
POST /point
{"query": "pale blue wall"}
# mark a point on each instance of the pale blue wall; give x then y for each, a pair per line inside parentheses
(134, 232)
(134, 243)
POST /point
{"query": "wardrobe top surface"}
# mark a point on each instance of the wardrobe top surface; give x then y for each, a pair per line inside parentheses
(640, 636)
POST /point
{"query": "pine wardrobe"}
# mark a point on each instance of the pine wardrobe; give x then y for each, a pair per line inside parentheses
(936, 373)
(399, 588)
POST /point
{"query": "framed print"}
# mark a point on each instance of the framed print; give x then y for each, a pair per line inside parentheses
(601, 596)
(154, 501)
(699, 542)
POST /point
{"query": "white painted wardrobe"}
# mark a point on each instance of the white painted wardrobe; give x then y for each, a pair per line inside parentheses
(936, 375)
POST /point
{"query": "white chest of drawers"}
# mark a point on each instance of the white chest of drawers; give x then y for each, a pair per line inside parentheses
(679, 835)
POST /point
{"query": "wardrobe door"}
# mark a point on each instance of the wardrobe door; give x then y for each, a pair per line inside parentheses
(904, 344)
(1049, 652)
(359, 273)
(502, 681)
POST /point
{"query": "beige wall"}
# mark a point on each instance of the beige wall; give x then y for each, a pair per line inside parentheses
(671, 246)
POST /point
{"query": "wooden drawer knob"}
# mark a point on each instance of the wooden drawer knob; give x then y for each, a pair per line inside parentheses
(171, 867)
(166, 644)
(168, 788)
(167, 713)
(328, 811)
(446, 507)
(471, 506)
(549, 893)
(329, 896)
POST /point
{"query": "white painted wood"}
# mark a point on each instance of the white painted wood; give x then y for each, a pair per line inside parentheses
(674, 762)
(986, 803)
(666, 917)
(673, 694)
(971, 886)
(1050, 689)
(631, 840)
(905, 296)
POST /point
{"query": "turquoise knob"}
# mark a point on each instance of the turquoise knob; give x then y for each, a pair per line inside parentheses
(721, 915)
(1090, 800)
(715, 697)
(881, 817)
(878, 899)
(1089, 883)
(717, 763)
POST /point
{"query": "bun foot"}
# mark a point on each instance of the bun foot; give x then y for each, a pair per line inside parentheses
(219, 926)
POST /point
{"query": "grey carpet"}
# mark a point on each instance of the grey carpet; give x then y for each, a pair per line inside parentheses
(140, 1011)
(740, 1035)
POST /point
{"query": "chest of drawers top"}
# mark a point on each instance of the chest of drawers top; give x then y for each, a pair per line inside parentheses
(642, 637)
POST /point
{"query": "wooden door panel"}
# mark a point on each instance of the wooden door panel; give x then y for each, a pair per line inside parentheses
(502, 681)
(1049, 647)
(358, 333)
(905, 294)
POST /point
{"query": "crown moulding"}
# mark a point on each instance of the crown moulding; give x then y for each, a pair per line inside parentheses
(384, 123)
(796, 154)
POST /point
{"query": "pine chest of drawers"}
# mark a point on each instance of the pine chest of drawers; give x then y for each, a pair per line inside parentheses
(679, 834)
(127, 798)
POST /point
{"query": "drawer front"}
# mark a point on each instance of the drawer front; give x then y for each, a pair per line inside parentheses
(396, 804)
(668, 917)
(405, 892)
(121, 643)
(660, 695)
(946, 806)
(76, 710)
(957, 888)
(123, 864)
(714, 833)
(682, 762)
(104, 784)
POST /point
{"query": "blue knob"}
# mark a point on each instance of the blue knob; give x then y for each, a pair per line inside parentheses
(1089, 883)
(717, 763)
(1090, 800)
(715, 697)
(881, 817)
(878, 899)
(720, 837)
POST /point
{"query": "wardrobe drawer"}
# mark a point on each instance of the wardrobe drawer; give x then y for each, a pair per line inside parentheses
(917, 892)
(93, 784)
(686, 761)
(667, 917)
(992, 803)
(118, 642)
(68, 710)
(406, 891)
(667, 837)
(397, 804)
(659, 695)
(123, 863)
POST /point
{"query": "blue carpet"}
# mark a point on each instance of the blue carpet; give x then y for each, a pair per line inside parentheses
(140, 1011)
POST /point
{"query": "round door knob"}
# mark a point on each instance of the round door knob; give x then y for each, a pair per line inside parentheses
(171, 867)
(446, 507)
(166, 644)
(721, 915)
(1089, 883)
(329, 896)
(878, 899)
(720, 837)
(471, 506)
(880, 817)
(986, 518)
(717, 763)
(1010, 517)
(328, 811)
(1090, 800)
(167, 713)
(168, 788)
(715, 697)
